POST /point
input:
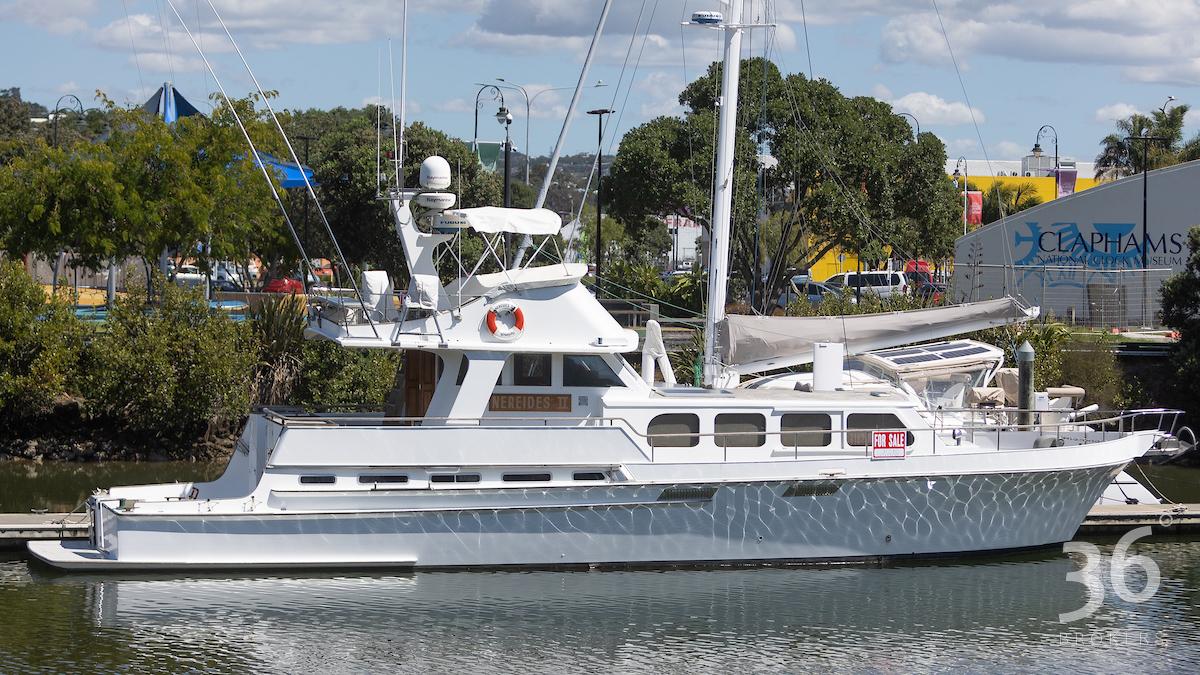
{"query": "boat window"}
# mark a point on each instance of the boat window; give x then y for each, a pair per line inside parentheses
(807, 430)
(588, 370)
(588, 475)
(454, 478)
(662, 427)
(382, 478)
(526, 477)
(740, 430)
(531, 370)
(320, 480)
(860, 426)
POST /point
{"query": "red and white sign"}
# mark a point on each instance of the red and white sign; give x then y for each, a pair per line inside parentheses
(888, 444)
(974, 207)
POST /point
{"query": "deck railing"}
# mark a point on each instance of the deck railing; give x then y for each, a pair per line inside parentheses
(1079, 427)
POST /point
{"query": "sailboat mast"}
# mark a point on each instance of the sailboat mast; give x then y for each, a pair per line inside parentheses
(720, 230)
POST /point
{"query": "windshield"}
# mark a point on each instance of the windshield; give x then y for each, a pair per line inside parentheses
(946, 390)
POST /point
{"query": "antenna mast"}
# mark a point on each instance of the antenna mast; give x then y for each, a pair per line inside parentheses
(719, 232)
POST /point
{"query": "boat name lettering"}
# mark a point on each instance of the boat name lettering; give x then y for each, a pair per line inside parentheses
(530, 403)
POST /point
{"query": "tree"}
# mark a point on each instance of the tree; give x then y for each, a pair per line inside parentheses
(849, 174)
(14, 117)
(1181, 311)
(1118, 157)
(1004, 199)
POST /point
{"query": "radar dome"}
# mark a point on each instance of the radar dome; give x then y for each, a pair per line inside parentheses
(435, 173)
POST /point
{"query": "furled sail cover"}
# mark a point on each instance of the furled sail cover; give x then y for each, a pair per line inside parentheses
(493, 219)
(753, 344)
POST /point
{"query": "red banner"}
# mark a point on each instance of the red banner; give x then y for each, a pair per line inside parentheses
(974, 207)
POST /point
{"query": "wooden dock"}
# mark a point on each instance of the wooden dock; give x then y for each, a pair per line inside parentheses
(18, 528)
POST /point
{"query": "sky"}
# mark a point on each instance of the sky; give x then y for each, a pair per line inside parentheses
(1074, 64)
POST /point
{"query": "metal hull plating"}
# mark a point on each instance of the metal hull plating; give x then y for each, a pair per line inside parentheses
(639, 525)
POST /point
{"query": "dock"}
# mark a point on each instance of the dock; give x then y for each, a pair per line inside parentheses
(18, 528)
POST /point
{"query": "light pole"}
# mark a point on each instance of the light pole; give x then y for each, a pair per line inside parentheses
(54, 140)
(599, 113)
(529, 104)
(497, 95)
(962, 161)
(1145, 138)
(1166, 103)
(505, 119)
(1037, 152)
(916, 122)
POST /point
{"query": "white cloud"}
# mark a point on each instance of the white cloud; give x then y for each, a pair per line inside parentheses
(881, 92)
(932, 109)
(454, 105)
(1009, 149)
(662, 94)
(68, 87)
(60, 17)
(961, 146)
(1115, 111)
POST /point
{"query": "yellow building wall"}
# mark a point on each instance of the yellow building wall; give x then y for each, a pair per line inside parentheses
(829, 265)
(1044, 185)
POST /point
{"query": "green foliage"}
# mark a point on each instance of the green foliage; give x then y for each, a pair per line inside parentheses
(1119, 157)
(278, 324)
(849, 174)
(1181, 311)
(332, 376)
(168, 373)
(40, 345)
(1049, 340)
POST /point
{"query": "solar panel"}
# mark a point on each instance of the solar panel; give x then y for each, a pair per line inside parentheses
(946, 347)
(908, 351)
(920, 358)
(964, 352)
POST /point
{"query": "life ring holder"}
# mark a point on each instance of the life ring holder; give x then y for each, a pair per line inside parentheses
(194, 493)
(500, 330)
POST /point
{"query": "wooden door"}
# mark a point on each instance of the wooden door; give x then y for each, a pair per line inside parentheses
(421, 370)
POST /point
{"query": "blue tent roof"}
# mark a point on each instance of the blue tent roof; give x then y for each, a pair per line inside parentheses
(289, 173)
(169, 104)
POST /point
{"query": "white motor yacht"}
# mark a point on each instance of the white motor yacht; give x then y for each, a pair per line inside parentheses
(527, 439)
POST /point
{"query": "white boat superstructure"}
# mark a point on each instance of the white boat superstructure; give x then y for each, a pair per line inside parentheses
(526, 438)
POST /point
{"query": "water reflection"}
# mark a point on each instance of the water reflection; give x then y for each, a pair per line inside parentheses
(955, 616)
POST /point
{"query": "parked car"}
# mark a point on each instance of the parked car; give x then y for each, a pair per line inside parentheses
(882, 283)
(931, 291)
(284, 285)
(226, 286)
(813, 291)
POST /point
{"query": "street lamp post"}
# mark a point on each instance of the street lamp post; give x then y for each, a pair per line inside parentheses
(1145, 138)
(1037, 151)
(505, 119)
(962, 161)
(599, 113)
(916, 123)
(54, 139)
(497, 95)
(528, 105)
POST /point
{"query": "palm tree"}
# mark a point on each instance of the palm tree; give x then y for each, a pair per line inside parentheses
(1119, 158)
(1005, 199)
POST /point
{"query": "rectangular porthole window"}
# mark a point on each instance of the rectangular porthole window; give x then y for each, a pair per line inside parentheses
(588, 370)
(526, 477)
(382, 478)
(740, 430)
(588, 475)
(454, 478)
(668, 430)
(805, 430)
(531, 370)
(860, 425)
(318, 480)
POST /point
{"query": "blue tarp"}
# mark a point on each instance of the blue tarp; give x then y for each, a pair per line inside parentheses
(287, 172)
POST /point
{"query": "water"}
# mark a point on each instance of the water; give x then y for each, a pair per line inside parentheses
(60, 486)
(989, 614)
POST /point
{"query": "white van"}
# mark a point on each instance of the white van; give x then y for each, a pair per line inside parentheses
(884, 284)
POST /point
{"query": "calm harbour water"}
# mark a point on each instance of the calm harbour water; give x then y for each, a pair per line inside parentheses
(986, 614)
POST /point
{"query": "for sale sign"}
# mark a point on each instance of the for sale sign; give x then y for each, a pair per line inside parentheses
(888, 444)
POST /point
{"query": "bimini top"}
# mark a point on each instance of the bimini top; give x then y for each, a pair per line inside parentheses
(494, 219)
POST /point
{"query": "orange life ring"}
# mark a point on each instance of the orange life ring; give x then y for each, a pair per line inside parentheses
(501, 331)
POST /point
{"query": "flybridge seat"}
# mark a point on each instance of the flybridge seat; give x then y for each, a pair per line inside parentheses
(529, 277)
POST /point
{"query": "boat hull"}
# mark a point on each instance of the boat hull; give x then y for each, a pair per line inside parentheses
(701, 523)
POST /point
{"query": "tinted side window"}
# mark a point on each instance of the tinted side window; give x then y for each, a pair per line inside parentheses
(588, 370)
(809, 430)
(531, 370)
(740, 430)
(860, 425)
(674, 423)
